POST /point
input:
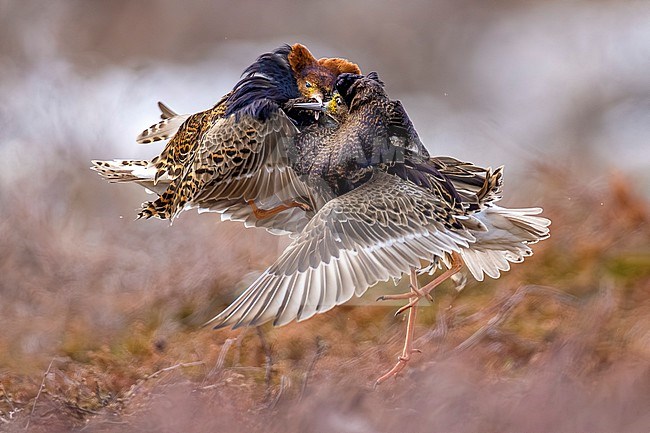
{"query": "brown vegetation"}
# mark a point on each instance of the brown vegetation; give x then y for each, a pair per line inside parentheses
(561, 341)
(101, 315)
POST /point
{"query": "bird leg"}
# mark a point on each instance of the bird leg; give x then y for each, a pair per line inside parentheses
(425, 292)
(456, 265)
(408, 342)
(261, 214)
(415, 291)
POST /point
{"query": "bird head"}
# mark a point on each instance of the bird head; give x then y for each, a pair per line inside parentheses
(316, 78)
(355, 87)
(336, 107)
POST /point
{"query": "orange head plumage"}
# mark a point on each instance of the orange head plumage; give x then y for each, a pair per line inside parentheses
(316, 78)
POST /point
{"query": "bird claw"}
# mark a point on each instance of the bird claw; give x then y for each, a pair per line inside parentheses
(267, 213)
(402, 360)
(405, 307)
(303, 206)
(420, 294)
(412, 293)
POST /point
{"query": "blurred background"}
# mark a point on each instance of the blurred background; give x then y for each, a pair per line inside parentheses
(101, 314)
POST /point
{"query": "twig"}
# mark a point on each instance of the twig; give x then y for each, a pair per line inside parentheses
(321, 349)
(506, 308)
(7, 399)
(100, 422)
(441, 330)
(136, 386)
(174, 367)
(269, 362)
(240, 340)
(221, 359)
(495, 321)
(38, 394)
(285, 383)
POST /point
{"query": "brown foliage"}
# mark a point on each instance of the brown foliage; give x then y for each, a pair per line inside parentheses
(101, 315)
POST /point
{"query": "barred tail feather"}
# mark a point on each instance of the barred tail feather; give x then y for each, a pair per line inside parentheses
(167, 127)
(491, 190)
(125, 170)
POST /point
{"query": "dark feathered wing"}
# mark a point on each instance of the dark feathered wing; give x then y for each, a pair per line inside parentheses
(476, 186)
(402, 131)
(269, 78)
(370, 234)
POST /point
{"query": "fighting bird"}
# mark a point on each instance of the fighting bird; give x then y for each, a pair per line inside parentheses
(388, 210)
(232, 157)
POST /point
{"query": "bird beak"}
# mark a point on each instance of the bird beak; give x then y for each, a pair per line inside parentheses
(316, 106)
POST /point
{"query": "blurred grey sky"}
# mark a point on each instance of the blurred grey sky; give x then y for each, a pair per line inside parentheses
(490, 82)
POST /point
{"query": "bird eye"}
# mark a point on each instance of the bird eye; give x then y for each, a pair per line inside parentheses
(308, 84)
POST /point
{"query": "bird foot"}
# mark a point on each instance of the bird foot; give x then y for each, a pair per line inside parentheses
(401, 364)
(414, 292)
(261, 214)
(414, 295)
(411, 304)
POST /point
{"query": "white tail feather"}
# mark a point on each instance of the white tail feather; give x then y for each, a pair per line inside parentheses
(507, 239)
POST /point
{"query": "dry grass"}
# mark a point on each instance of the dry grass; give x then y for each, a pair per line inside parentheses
(101, 315)
(102, 332)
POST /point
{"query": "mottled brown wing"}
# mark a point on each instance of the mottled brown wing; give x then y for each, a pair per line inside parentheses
(370, 234)
(241, 159)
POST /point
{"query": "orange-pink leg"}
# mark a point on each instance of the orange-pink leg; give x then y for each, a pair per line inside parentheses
(261, 214)
(410, 329)
(415, 291)
(456, 265)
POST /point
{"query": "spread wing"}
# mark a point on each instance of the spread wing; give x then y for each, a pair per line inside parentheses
(237, 160)
(242, 159)
(370, 234)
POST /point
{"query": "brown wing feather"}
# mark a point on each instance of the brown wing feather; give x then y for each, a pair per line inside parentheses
(237, 160)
